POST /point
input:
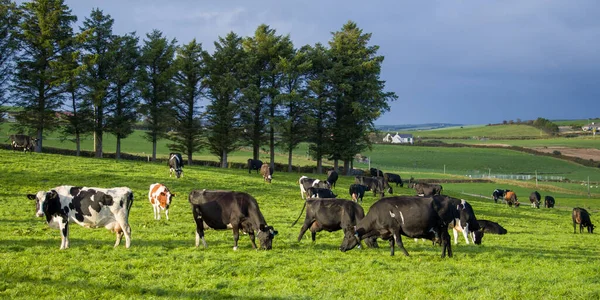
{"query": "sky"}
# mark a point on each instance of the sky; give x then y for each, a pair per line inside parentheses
(462, 62)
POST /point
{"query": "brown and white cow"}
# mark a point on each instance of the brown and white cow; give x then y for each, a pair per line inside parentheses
(87, 206)
(511, 198)
(266, 172)
(160, 197)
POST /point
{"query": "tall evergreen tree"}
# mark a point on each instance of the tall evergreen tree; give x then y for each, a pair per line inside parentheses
(189, 76)
(156, 86)
(98, 64)
(358, 97)
(45, 34)
(9, 21)
(226, 73)
(122, 94)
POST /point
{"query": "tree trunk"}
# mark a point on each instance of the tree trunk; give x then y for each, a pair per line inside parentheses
(319, 165)
(336, 165)
(118, 154)
(38, 146)
(154, 146)
(77, 144)
(272, 147)
(224, 160)
(98, 132)
(346, 167)
(290, 160)
(189, 155)
(255, 150)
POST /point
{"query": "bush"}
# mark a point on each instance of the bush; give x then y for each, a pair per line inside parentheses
(556, 152)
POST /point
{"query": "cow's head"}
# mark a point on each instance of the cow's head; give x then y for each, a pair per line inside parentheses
(390, 190)
(168, 198)
(477, 236)
(590, 228)
(42, 200)
(265, 236)
(268, 178)
(351, 240)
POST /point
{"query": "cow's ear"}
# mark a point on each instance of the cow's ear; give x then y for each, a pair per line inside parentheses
(31, 196)
(53, 194)
(172, 195)
(262, 227)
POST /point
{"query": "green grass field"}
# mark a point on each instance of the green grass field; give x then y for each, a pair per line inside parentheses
(480, 131)
(540, 257)
(577, 142)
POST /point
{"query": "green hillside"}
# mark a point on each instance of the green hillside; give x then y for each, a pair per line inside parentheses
(481, 131)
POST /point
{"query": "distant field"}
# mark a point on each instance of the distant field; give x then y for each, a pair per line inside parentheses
(577, 142)
(497, 131)
(575, 122)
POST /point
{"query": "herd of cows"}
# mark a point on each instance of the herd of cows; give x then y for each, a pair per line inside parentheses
(427, 215)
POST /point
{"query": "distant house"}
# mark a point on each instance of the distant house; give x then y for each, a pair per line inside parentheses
(590, 127)
(402, 139)
(387, 138)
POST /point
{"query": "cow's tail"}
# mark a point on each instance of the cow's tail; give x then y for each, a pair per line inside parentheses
(130, 202)
(299, 215)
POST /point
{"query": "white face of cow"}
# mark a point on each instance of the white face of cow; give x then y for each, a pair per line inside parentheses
(40, 202)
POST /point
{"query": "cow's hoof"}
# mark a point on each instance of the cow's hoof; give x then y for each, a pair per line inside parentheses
(235, 248)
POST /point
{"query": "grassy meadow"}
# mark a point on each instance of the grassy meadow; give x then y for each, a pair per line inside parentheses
(480, 131)
(539, 258)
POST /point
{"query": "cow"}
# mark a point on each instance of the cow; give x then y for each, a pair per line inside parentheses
(266, 172)
(23, 141)
(160, 197)
(175, 164)
(332, 177)
(331, 215)
(511, 198)
(377, 185)
(306, 183)
(498, 194)
(534, 198)
(87, 206)
(582, 217)
(395, 178)
(315, 192)
(411, 216)
(426, 189)
(357, 191)
(491, 227)
(466, 223)
(254, 164)
(376, 172)
(227, 209)
(549, 202)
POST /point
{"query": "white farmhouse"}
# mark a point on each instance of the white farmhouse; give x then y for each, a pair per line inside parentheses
(402, 139)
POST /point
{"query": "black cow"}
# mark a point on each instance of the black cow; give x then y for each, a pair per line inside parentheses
(306, 183)
(426, 189)
(549, 202)
(467, 222)
(227, 209)
(391, 177)
(498, 194)
(491, 227)
(411, 216)
(582, 217)
(357, 191)
(377, 185)
(254, 164)
(534, 198)
(376, 172)
(331, 215)
(23, 141)
(332, 177)
(315, 192)
(175, 164)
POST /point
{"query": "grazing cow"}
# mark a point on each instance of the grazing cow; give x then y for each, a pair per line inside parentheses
(266, 172)
(549, 202)
(466, 223)
(395, 178)
(331, 215)
(411, 216)
(491, 227)
(306, 183)
(23, 141)
(426, 189)
(88, 207)
(511, 198)
(376, 172)
(175, 164)
(160, 197)
(254, 164)
(377, 185)
(582, 217)
(332, 177)
(534, 198)
(315, 192)
(227, 209)
(498, 194)
(357, 191)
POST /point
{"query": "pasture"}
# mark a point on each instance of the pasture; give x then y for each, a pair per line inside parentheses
(540, 257)
(497, 131)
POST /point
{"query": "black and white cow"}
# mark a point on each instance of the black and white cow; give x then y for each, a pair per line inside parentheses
(466, 223)
(375, 184)
(395, 178)
(254, 164)
(26, 142)
(227, 209)
(175, 164)
(411, 216)
(87, 206)
(376, 172)
(549, 202)
(535, 198)
(426, 189)
(315, 192)
(498, 194)
(491, 227)
(357, 191)
(582, 217)
(331, 215)
(332, 177)
(306, 183)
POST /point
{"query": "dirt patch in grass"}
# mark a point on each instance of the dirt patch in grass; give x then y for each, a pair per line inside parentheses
(584, 153)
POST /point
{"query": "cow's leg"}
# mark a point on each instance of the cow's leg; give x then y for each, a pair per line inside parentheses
(466, 233)
(398, 239)
(156, 212)
(167, 213)
(199, 227)
(236, 236)
(64, 233)
(305, 226)
(446, 245)
(392, 246)
(122, 220)
(574, 227)
(455, 232)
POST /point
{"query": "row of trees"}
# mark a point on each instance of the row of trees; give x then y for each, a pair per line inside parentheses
(260, 90)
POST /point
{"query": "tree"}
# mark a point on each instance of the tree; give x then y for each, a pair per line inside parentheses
(95, 79)
(188, 78)
(358, 96)
(122, 91)
(226, 72)
(45, 34)
(156, 86)
(9, 20)
(293, 101)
